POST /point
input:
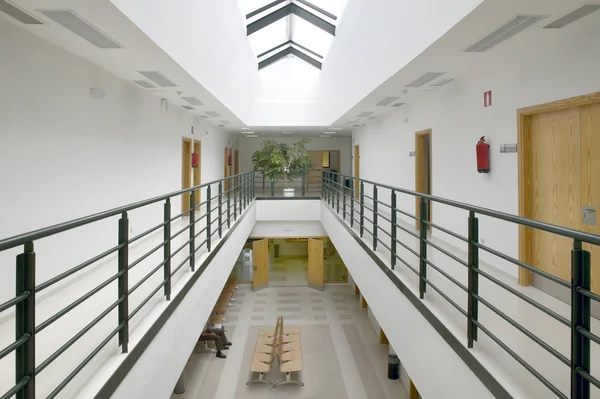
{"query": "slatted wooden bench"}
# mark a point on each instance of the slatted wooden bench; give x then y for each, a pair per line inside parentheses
(290, 357)
(264, 354)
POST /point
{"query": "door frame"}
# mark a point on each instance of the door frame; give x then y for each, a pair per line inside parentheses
(187, 145)
(420, 175)
(524, 116)
(197, 171)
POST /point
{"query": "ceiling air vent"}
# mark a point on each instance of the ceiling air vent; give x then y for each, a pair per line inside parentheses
(365, 114)
(18, 14)
(423, 80)
(82, 28)
(204, 116)
(192, 100)
(212, 113)
(516, 25)
(387, 101)
(373, 117)
(187, 107)
(442, 82)
(158, 78)
(398, 105)
(574, 16)
(145, 84)
(226, 122)
(351, 122)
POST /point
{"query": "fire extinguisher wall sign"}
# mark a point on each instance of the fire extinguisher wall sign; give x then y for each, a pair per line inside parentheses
(483, 156)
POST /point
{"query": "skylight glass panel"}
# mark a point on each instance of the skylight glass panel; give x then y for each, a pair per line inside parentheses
(269, 37)
(335, 7)
(311, 37)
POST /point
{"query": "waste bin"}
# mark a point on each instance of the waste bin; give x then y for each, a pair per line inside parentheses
(393, 367)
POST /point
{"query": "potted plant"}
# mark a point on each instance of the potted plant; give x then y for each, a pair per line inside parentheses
(282, 161)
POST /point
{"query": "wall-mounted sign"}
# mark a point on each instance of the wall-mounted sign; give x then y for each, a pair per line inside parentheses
(506, 148)
(487, 99)
(412, 153)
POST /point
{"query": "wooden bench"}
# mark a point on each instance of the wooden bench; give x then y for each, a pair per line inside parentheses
(290, 357)
(263, 356)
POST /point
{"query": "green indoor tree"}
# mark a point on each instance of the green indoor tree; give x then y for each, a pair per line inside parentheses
(281, 160)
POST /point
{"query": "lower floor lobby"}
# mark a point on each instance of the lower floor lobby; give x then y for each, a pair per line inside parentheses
(341, 350)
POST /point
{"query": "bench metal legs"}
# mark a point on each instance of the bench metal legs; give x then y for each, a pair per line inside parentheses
(261, 378)
(288, 380)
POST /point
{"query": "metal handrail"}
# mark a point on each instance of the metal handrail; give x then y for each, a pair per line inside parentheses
(371, 216)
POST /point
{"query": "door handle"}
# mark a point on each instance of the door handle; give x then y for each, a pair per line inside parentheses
(254, 267)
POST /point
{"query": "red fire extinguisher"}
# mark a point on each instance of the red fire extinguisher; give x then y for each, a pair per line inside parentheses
(483, 156)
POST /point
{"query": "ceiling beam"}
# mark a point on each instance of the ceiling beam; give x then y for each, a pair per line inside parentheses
(307, 58)
(290, 42)
(313, 19)
(306, 49)
(284, 12)
(265, 8)
(274, 48)
(317, 9)
(289, 51)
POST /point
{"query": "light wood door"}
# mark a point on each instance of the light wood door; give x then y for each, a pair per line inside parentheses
(565, 177)
(198, 173)
(260, 264)
(422, 170)
(186, 172)
(226, 169)
(315, 263)
(314, 176)
(356, 171)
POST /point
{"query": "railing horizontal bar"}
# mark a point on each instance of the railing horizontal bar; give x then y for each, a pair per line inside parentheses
(77, 302)
(367, 219)
(447, 253)
(84, 363)
(524, 265)
(147, 254)
(563, 231)
(200, 232)
(370, 209)
(407, 265)
(77, 336)
(404, 229)
(145, 301)
(213, 221)
(366, 196)
(384, 231)
(58, 228)
(522, 362)
(146, 277)
(187, 227)
(15, 301)
(384, 217)
(384, 245)
(525, 331)
(409, 249)
(180, 248)
(524, 297)
(407, 214)
(24, 338)
(588, 293)
(588, 334)
(446, 297)
(384, 204)
(145, 233)
(449, 277)
(81, 266)
(200, 218)
(184, 213)
(444, 230)
(13, 391)
(588, 377)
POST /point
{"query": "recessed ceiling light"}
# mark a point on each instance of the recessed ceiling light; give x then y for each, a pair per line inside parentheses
(513, 27)
(329, 132)
(247, 132)
(252, 136)
(245, 128)
(287, 133)
(324, 136)
(336, 128)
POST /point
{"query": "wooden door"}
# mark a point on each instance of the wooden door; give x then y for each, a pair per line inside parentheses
(422, 170)
(315, 175)
(198, 173)
(186, 172)
(315, 263)
(226, 169)
(559, 175)
(260, 264)
(356, 171)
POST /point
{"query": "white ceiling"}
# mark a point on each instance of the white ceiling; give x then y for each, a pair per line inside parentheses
(294, 131)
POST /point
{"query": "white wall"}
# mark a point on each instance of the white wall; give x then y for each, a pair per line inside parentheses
(249, 145)
(66, 155)
(529, 74)
(293, 210)
(287, 229)
(295, 248)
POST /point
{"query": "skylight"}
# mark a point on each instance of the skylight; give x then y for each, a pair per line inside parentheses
(303, 29)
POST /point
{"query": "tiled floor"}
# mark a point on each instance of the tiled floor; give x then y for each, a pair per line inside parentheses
(341, 352)
(288, 271)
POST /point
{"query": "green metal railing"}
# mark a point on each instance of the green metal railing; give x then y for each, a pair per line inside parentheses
(337, 187)
(229, 205)
(306, 183)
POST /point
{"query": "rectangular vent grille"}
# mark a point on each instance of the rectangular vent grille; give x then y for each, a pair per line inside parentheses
(192, 100)
(442, 82)
(516, 25)
(76, 24)
(574, 16)
(387, 101)
(145, 84)
(365, 114)
(158, 78)
(213, 114)
(351, 122)
(18, 14)
(373, 117)
(398, 105)
(187, 107)
(423, 80)
(225, 122)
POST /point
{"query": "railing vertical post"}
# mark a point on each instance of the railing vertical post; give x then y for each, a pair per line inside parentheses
(167, 248)
(193, 228)
(580, 319)
(337, 194)
(228, 206)
(362, 208)
(25, 322)
(123, 283)
(208, 211)
(303, 183)
(352, 203)
(327, 187)
(220, 209)
(375, 228)
(472, 280)
(235, 202)
(423, 248)
(394, 229)
(272, 188)
(343, 197)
